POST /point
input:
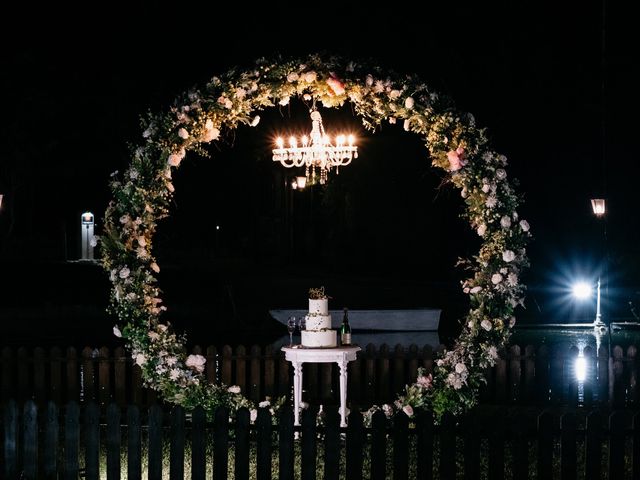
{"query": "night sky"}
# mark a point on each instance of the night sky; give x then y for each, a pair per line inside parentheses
(75, 82)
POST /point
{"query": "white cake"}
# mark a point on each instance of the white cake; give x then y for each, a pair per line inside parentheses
(317, 332)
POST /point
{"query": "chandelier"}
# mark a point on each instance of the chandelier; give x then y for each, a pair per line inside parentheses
(316, 151)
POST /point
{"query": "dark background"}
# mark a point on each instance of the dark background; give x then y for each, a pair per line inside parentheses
(382, 234)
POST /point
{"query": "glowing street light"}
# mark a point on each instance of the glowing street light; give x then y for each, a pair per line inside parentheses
(582, 291)
(598, 206)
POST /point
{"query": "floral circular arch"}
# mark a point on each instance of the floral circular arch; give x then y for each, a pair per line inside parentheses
(142, 193)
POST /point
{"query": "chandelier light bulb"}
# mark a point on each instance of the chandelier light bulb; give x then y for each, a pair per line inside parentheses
(292, 142)
(280, 142)
(351, 140)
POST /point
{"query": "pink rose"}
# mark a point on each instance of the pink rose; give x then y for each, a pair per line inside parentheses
(196, 362)
(424, 381)
(408, 410)
(336, 85)
(457, 159)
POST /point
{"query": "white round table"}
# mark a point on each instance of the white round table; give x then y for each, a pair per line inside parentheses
(298, 355)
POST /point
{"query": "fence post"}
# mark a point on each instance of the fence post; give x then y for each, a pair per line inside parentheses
(556, 375)
(355, 386)
(398, 369)
(326, 381)
(88, 377)
(515, 374)
(472, 435)
(55, 375)
(23, 374)
(113, 441)
(73, 375)
(379, 446)
(309, 443)
(221, 443)
(424, 447)
(242, 435)
(120, 376)
(496, 445)
(176, 445)
(198, 444)
(412, 365)
(241, 369)
(636, 446)
(529, 373)
(632, 366)
(568, 460)
(269, 372)
(155, 443)
(263, 448)
(500, 369)
(617, 426)
(285, 444)
(134, 444)
(226, 365)
(92, 441)
(71, 441)
(51, 432)
(520, 442)
(255, 376)
(211, 367)
(104, 377)
(332, 445)
(10, 439)
(542, 375)
(593, 447)
(603, 374)
(354, 446)
(383, 370)
(30, 440)
(39, 389)
(545, 446)
(401, 446)
(616, 378)
(370, 374)
(447, 447)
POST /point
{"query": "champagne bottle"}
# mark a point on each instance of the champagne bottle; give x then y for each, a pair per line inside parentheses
(345, 329)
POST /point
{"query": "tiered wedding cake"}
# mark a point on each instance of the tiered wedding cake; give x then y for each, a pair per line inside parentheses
(317, 332)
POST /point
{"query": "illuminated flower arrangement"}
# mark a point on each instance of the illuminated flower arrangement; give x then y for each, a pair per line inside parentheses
(141, 197)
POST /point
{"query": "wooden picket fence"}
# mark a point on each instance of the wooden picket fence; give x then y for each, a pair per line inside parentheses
(87, 442)
(522, 375)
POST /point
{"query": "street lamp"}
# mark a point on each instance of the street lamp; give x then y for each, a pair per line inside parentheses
(583, 291)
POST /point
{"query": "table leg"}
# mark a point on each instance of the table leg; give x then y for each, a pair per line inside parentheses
(343, 393)
(297, 391)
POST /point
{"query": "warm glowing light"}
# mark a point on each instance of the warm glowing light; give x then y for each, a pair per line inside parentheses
(87, 218)
(581, 290)
(581, 368)
(301, 181)
(294, 184)
(598, 206)
(316, 151)
(1, 197)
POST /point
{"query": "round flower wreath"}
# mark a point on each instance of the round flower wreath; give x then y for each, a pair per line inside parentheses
(143, 192)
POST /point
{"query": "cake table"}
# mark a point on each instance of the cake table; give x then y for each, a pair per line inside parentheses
(341, 355)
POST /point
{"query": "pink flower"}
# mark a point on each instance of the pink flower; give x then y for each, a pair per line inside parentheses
(408, 410)
(424, 381)
(457, 159)
(336, 85)
(196, 362)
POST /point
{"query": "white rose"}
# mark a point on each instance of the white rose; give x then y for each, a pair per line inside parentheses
(394, 94)
(409, 103)
(117, 332)
(124, 272)
(210, 134)
(461, 368)
(142, 241)
(176, 157)
(255, 121)
(408, 410)
(512, 279)
(407, 124)
(233, 389)
(505, 222)
(292, 77)
(284, 101)
(493, 352)
(524, 225)
(253, 415)
(486, 187)
(140, 359)
(264, 404)
(171, 361)
(496, 278)
(508, 256)
(310, 77)
(369, 80)
(491, 202)
(501, 174)
(196, 362)
(182, 133)
(512, 322)
(486, 324)
(482, 229)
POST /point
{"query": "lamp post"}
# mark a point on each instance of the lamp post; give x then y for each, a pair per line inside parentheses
(598, 206)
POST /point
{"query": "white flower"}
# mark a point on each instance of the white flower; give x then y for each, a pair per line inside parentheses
(124, 219)
(196, 362)
(461, 368)
(486, 324)
(512, 321)
(493, 352)
(264, 404)
(284, 101)
(133, 174)
(505, 222)
(240, 93)
(182, 133)
(512, 279)
(475, 289)
(176, 157)
(304, 405)
(140, 359)
(154, 266)
(369, 80)
(147, 133)
(292, 77)
(407, 124)
(496, 278)
(387, 410)
(310, 77)
(142, 241)
(394, 94)
(501, 174)
(124, 272)
(233, 389)
(154, 336)
(409, 103)
(174, 373)
(171, 360)
(464, 193)
(408, 410)
(455, 381)
(491, 202)
(255, 121)
(94, 241)
(117, 332)
(253, 415)
(504, 270)
(392, 120)
(524, 225)
(482, 229)
(141, 252)
(210, 133)
(508, 256)
(227, 103)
